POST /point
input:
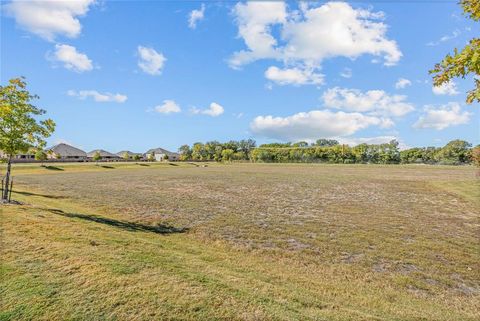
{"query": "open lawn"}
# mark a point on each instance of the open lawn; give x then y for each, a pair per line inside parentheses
(241, 242)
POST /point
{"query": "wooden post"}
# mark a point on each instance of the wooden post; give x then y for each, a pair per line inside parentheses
(10, 192)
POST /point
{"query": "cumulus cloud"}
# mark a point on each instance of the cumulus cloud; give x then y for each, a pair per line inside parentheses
(214, 110)
(441, 117)
(98, 97)
(354, 141)
(448, 88)
(402, 83)
(71, 58)
(311, 34)
(195, 16)
(293, 76)
(168, 107)
(373, 102)
(48, 19)
(150, 61)
(313, 124)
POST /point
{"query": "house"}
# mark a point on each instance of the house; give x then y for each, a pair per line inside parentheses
(131, 155)
(105, 156)
(66, 152)
(160, 153)
(30, 155)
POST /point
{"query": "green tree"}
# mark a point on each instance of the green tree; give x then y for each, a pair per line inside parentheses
(227, 154)
(151, 157)
(126, 156)
(19, 128)
(185, 152)
(465, 62)
(475, 155)
(96, 157)
(137, 157)
(40, 155)
(322, 142)
(455, 152)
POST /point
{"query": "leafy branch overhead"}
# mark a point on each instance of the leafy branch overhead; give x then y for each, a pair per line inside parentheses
(464, 62)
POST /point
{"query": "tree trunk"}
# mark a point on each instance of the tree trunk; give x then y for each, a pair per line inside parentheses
(6, 187)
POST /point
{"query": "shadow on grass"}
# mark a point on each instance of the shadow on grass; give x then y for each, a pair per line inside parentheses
(38, 194)
(128, 226)
(143, 164)
(108, 167)
(172, 164)
(53, 168)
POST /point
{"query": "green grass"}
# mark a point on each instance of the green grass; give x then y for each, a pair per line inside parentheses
(241, 242)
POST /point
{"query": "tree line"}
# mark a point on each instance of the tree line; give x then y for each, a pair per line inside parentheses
(456, 152)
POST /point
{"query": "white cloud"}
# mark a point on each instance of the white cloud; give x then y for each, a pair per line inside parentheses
(48, 19)
(293, 76)
(402, 83)
(441, 117)
(310, 35)
(354, 141)
(448, 88)
(214, 110)
(71, 58)
(168, 107)
(312, 125)
(195, 16)
(150, 60)
(346, 73)
(453, 35)
(374, 102)
(98, 97)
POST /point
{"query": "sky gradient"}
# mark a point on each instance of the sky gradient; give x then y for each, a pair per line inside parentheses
(137, 75)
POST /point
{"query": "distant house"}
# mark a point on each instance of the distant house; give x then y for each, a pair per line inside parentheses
(105, 156)
(20, 157)
(130, 154)
(160, 153)
(66, 152)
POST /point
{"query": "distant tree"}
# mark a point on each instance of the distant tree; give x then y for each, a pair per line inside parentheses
(40, 155)
(57, 156)
(126, 156)
(19, 128)
(322, 142)
(227, 155)
(246, 146)
(198, 152)
(137, 157)
(165, 157)
(300, 144)
(151, 157)
(455, 152)
(96, 157)
(475, 155)
(185, 152)
(465, 62)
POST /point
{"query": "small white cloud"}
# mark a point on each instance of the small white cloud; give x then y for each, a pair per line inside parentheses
(445, 38)
(48, 19)
(312, 125)
(150, 60)
(293, 76)
(195, 16)
(441, 117)
(168, 107)
(346, 73)
(402, 83)
(448, 88)
(71, 58)
(214, 110)
(98, 97)
(373, 102)
(354, 141)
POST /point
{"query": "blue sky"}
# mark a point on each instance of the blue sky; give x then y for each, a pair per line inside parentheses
(136, 75)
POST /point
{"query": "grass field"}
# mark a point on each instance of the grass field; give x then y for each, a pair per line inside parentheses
(241, 242)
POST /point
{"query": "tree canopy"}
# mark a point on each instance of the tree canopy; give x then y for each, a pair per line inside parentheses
(464, 62)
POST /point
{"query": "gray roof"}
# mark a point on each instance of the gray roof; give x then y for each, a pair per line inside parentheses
(121, 153)
(159, 151)
(103, 153)
(66, 150)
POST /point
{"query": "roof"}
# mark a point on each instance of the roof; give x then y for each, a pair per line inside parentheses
(103, 153)
(121, 153)
(159, 151)
(66, 150)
